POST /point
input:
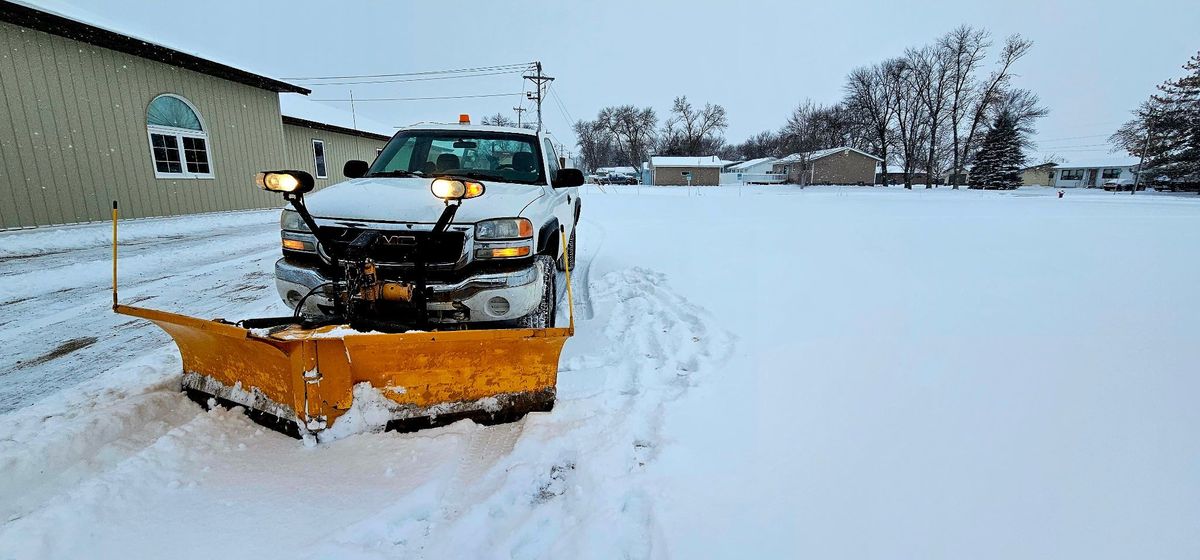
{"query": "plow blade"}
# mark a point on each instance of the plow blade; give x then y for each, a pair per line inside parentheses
(303, 380)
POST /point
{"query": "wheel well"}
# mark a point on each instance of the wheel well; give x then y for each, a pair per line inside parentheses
(548, 239)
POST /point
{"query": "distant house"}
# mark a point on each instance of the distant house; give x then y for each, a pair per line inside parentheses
(1038, 175)
(675, 170)
(895, 176)
(834, 166)
(1092, 174)
(755, 171)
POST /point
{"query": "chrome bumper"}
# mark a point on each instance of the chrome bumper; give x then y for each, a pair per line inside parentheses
(522, 290)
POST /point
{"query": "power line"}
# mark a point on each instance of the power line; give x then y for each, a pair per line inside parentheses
(1076, 137)
(360, 100)
(425, 79)
(561, 106)
(520, 66)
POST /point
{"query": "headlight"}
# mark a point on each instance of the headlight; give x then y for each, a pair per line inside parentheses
(290, 220)
(507, 228)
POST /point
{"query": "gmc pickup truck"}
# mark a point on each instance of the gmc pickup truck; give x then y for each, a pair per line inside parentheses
(498, 259)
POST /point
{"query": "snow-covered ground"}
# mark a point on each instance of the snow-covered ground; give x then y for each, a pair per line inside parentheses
(758, 372)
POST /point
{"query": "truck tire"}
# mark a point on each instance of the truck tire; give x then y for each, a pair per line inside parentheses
(570, 253)
(542, 316)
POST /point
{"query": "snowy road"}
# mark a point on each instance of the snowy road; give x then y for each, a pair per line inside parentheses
(851, 373)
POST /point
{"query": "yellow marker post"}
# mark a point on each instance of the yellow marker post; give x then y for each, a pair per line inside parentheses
(562, 234)
(114, 220)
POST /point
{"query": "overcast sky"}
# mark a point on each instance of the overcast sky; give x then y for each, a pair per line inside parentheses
(1092, 61)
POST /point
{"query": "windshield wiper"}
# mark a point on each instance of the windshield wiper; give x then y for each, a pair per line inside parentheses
(396, 173)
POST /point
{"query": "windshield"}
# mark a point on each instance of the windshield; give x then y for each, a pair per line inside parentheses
(498, 156)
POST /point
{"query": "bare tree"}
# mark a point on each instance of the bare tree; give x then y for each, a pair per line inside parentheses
(869, 101)
(911, 120)
(692, 132)
(930, 74)
(966, 48)
(595, 144)
(991, 91)
(632, 130)
(498, 120)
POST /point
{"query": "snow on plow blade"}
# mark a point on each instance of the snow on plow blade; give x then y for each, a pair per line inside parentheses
(303, 379)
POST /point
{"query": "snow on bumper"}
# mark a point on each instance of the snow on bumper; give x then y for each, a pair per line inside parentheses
(521, 290)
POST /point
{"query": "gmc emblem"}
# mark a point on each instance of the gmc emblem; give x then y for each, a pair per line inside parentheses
(398, 239)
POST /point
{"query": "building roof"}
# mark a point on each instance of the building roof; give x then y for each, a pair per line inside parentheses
(1100, 164)
(302, 111)
(686, 161)
(66, 21)
(818, 154)
(751, 163)
(1046, 165)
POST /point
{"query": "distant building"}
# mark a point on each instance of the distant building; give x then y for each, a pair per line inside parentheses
(834, 166)
(89, 115)
(675, 170)
(755, 171)
(1092, 174)
(895, 176)
(1038, 175)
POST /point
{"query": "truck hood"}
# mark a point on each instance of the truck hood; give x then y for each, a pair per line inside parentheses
(407, 199)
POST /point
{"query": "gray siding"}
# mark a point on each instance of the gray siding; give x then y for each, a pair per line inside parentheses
(339, 148)
(74, 137)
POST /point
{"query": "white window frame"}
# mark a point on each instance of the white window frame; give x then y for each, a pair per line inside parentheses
(325, 154)
(180, 134)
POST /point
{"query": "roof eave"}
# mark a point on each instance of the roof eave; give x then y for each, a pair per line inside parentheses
(54, 24)
(295, 121)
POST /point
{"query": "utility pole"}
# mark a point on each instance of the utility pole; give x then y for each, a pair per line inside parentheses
(353, 116)
(539, 80)
(1137, 177)
(519, 110)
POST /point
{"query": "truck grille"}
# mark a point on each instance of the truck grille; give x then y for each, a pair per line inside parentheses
(397, 247)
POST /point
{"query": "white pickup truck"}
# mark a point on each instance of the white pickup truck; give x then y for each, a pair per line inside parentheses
(496, 261)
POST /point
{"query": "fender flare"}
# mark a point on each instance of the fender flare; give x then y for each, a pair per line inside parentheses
(548, 239)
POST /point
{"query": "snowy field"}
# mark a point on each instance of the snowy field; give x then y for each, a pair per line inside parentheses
(758, 372)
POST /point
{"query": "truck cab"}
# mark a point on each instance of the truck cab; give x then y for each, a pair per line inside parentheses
(498, 259)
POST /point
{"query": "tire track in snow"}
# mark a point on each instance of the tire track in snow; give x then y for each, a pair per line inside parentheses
(570, 480)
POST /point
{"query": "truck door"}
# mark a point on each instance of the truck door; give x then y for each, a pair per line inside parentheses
(563, 199)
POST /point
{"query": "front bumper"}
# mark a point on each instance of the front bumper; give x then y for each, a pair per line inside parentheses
(464, 301)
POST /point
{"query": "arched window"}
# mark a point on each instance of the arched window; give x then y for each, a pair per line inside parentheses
(178, 142)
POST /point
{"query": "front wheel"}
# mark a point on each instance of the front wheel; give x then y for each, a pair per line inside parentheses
(542, 316)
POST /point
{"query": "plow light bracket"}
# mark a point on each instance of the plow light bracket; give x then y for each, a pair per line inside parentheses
(286, 182)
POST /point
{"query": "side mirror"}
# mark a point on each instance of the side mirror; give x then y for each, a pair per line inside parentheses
(567, 178)
(286, 182)
(355, 168)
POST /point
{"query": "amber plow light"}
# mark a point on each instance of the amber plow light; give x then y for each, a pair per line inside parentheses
(453, 189)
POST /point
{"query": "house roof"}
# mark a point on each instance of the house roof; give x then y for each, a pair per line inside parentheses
(1100, 164)
(751, 163)
(818, 154)
(1040, 166)
(302, 111)
(66, 21)
(686, 161)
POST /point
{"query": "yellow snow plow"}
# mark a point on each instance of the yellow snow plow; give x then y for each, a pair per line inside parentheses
(299, 375)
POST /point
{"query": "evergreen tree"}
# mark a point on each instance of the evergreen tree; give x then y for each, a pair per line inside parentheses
(1166, 128)
(1000, 158)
